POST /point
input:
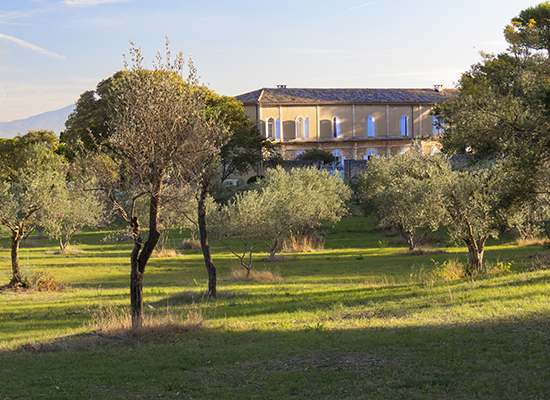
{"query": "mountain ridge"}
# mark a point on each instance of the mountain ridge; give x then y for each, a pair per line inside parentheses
(51, 120)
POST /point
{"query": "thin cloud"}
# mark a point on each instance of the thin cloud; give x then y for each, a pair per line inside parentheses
(364, 5)
(28, 45)
(84, 3)
(7, 17)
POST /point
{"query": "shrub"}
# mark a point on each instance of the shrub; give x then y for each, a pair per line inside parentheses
(500, 269)
(450, 270)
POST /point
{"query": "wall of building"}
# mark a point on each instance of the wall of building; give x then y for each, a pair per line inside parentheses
(353, 143)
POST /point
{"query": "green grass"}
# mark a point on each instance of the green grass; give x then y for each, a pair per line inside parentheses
(356, 321)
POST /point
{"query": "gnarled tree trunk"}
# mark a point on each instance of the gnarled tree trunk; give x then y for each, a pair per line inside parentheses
(476, 249)
(201, 219)
(138, 259)
(16, 237)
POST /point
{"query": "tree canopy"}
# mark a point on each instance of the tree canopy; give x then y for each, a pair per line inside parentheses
(503, 110)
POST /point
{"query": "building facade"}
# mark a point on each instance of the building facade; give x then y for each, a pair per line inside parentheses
(351, 124)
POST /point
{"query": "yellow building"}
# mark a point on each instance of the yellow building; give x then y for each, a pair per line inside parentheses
(352, 124)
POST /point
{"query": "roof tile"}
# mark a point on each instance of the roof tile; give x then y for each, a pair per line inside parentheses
(349, 96)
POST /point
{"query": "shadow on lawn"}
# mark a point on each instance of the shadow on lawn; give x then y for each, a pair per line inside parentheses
(504, 360)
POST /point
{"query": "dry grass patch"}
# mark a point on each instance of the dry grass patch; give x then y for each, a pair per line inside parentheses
(303, 244)
(165, 253)
(67, 250)
(190, 244)
(36, 281)
(532, 241)
(112, 321)
(541, 261)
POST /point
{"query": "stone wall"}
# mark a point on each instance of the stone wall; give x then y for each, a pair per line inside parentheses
(354, 167)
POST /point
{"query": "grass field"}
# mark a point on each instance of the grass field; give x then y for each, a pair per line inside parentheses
(360, 320)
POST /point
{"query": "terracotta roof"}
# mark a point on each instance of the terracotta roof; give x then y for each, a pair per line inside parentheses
(346, 96)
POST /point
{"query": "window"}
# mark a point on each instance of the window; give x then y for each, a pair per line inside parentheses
(371, 132)
(339, 157)
(437, 127)
(404, 124)
(335, 127)
(270, 128)
(371, 154)
(299, 154)
(299, 124)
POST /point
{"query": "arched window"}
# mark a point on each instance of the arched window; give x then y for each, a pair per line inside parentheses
(270, 128)
(371, 132)
(299, 154)
(404, 125)
(371, 154)
(338, 155)
(335, 127)
(299, 124)
(404, 150)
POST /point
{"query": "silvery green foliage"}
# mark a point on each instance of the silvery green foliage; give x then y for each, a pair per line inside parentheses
(29, 194)
(76, 205)
(285, 204)
(402, 192)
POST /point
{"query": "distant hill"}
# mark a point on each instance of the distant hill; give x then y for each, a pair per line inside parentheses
(51, 120)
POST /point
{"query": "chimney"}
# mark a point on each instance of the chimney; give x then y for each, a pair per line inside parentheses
(438, 88)
(281, 86)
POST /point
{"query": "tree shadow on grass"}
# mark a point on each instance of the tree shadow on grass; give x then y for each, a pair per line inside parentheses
(504, 360)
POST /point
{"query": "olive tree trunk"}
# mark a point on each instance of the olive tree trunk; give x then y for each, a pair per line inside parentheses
(140, 256)
(16, 237)
(476, 249)
(203, 236)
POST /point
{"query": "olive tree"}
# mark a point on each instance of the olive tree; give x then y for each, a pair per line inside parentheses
(401, 192)
(158, 130)
(477, 206)
(284, 204)
(29, 188)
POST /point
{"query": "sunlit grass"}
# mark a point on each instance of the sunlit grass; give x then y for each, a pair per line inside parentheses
(371, 311)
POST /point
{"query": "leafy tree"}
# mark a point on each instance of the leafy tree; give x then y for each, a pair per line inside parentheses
(88, 125)
(503, 110)
(285, 204)
(530, 29)
(237, 151)
(317, 154)
(32, 179)
(475, 202)
(75, 206)
(245, 147)
(158, 130)
(402, 192)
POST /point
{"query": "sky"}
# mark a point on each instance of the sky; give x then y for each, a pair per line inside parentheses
(51, 51)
